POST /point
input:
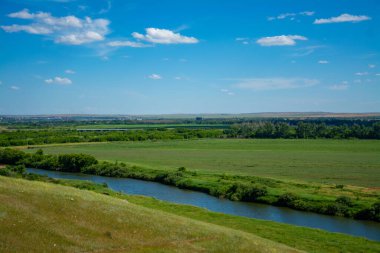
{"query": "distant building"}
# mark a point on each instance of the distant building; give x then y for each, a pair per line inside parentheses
(198, 118)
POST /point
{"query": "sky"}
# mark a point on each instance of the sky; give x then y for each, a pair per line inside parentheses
(189, 56)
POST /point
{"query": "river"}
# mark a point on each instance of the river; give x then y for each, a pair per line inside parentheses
(367, 229)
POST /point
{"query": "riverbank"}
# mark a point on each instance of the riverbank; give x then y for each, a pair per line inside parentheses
(301, 238)
(338, 200)
(173, 194)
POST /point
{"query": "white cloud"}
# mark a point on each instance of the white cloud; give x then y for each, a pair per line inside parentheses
(155, 76)
(378, 74)
(15, 87)
(286, 15)
(342, 18)
(244, 41)
(276, 83)
(307, 13)
(323, 62)
(178, 78)
(67, 30)
(291, 15)
(59, 80)
(33, 29)
(69, 71)
(361, 73)
(371, 66)
(23, 14)
(226, 91)
(282, 40)
(339, 87)
(164, 36)
(126, 43)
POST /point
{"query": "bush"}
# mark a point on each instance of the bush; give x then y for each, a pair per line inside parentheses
(337, 209)
(11, 156)
(5, 172)
(170, 178)
(75, 162)
(346, 201)
(19, 169)
(182, 169)
(287, 199)
(245, 192)
(372, 213)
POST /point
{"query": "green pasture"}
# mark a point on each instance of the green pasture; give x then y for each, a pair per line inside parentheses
(348, 162)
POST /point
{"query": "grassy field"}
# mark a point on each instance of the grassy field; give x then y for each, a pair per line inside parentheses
(348, 162)
(43, 217)
(66, 219)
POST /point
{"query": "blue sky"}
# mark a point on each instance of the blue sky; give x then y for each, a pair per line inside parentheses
(161, 57)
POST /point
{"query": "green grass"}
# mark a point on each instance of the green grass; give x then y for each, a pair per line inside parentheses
(43, 217)
(36, 197)
(302, 238)
(348, 162)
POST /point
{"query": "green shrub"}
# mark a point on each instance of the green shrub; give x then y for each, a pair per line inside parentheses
(11, 156)
(182, 169)
(75, 162)
(287, 199)
(346, 201)
(245, 192)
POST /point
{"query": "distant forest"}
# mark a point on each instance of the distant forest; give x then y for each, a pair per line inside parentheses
(47, 132)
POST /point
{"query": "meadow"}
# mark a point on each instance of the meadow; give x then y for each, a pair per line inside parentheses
(69, 219)
(66, 219)
(327, 161)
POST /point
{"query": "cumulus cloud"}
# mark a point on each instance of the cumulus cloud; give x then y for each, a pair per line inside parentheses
(339, 87)
(69, 71)
(126, 43)
(323, 62)
(155, 76)
(276, 83)
(59, 80)
(371, 66)
(361, 73)
(342, 18)
(164, 36)
(67, 30)
(282, 40)
(15, 87)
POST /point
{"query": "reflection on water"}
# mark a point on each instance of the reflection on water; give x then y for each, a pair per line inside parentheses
(370, 230)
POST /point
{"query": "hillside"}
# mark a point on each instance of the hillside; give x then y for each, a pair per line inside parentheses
(38, 217)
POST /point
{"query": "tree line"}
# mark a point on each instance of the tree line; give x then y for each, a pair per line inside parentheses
(254, 129)
(303, 130)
